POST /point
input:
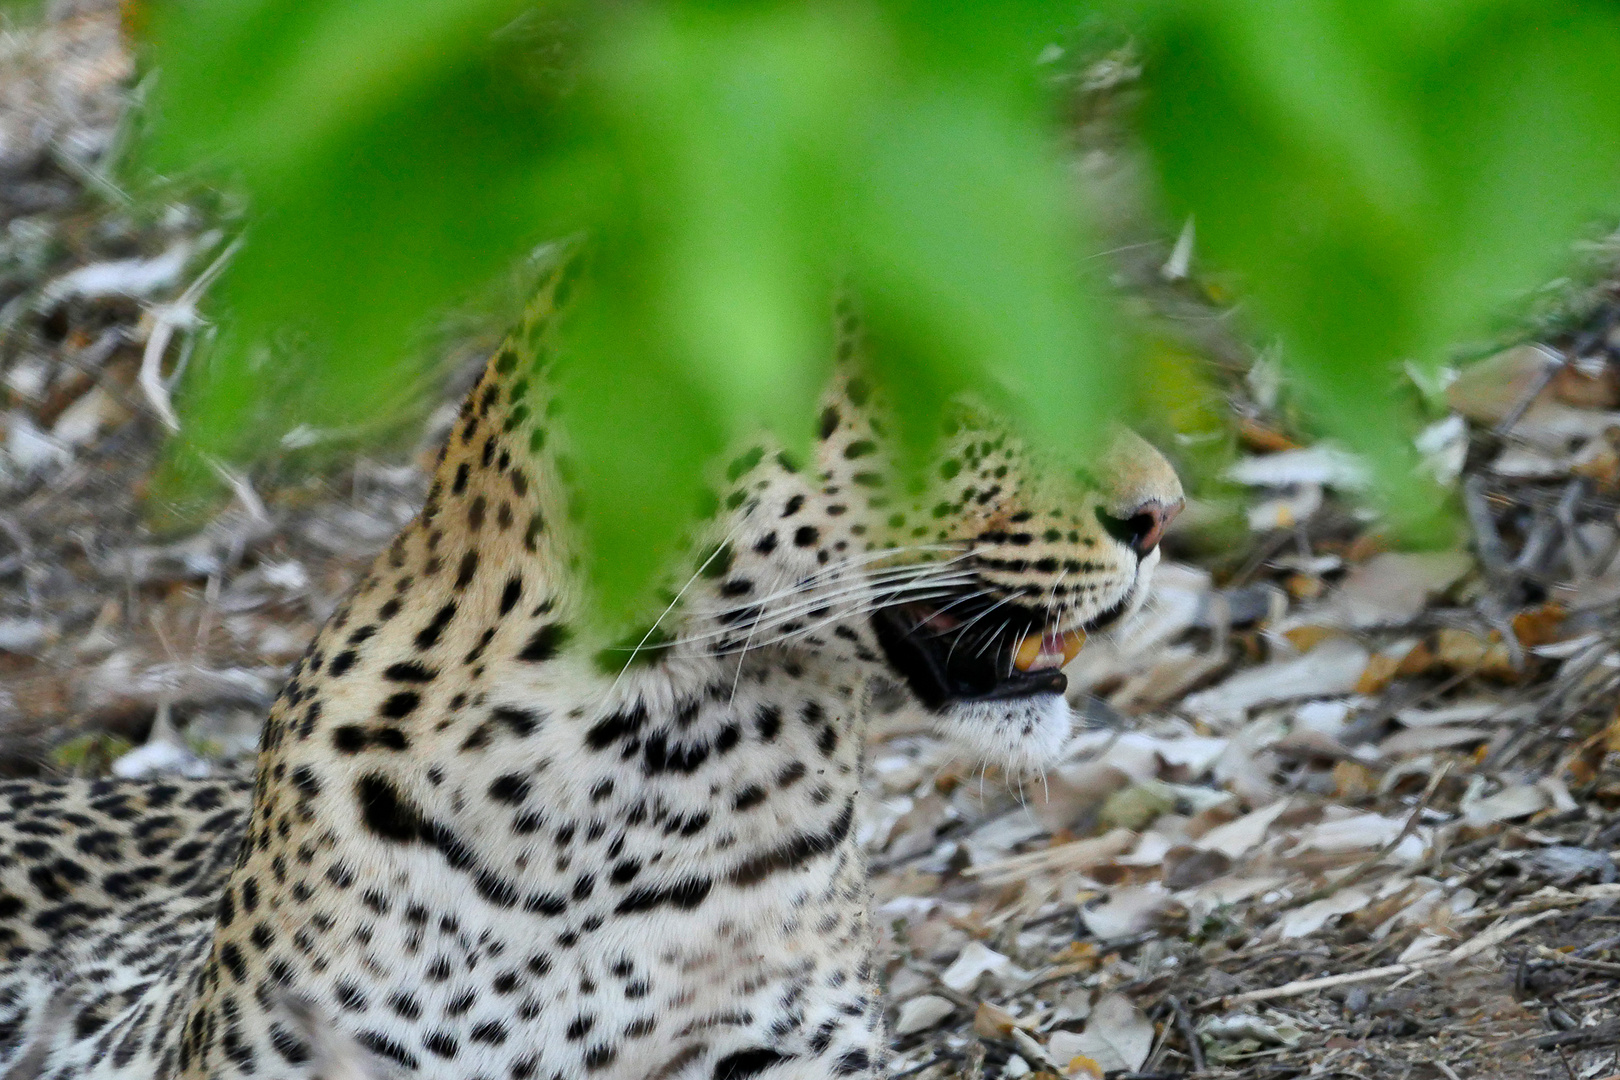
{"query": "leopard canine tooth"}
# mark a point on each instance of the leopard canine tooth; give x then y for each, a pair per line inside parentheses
(1038, 652)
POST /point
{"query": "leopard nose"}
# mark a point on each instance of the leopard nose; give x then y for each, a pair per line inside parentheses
(1143, 528)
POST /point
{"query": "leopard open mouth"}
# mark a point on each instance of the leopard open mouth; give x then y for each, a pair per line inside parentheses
(976, 648)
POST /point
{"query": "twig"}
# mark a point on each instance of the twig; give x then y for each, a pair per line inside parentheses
(1537, 384)
(166, 319)
(242, 487)
(1184, 1024)
(1575, 963)
(1032, 1050)
(1563, 1055)
(1494, 936)
(1052, 975)
(1487, 540)
(945, 1055)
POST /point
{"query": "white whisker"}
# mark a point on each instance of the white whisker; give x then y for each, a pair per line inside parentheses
(653, 629)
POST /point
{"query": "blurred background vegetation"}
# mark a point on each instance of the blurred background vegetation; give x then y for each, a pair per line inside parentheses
(1377, 179)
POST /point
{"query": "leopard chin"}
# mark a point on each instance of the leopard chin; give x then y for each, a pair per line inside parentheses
(1001, 702)
(1021, 736)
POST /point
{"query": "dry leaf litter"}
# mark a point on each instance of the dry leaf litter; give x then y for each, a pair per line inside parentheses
(1335, 810)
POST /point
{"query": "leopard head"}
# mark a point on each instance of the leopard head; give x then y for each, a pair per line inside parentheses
(971, 590)
(1033, 559)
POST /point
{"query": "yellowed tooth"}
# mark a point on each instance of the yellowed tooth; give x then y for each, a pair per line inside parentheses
(1035, 646)
(1073, 642)
(1029, 650)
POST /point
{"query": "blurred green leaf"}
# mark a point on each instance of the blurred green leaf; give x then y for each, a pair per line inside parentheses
(731, 167)
(406, 180)
(1381, 173)
(966, 252)
(1385, 174)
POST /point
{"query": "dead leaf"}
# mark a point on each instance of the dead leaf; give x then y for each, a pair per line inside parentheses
(1392, 589)
(1333, 667)
(1126, 912)
(921, 1013)
(1588, 383)
(1117, 1036)
(1486, 391)
(1539, 625)
(1466, 651)
(993, 1022)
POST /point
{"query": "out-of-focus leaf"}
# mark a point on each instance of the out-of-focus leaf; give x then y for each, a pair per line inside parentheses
(391, 155)
(1381, 172)
(712, 313)
(967, 248)
(731, 168)
(332, 70)
(1385, 173)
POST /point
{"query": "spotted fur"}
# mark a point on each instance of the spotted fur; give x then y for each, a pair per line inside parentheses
(483, 845)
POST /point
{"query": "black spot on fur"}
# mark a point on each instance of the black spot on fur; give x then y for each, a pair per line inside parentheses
(683, 895)
(544, 643)
(856, 1061)
(410, 672)
(793, 853)
(511, 594)
(512, 788)
(829, 422)
(750, 1062)
(400, 704)
(429, 635)
(349, 738)
(383, 1046)
(386, 811)
(616, 726)
(517, 721)
(768, 722)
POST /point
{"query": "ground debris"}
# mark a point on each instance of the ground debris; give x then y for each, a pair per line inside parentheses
(1334, 810)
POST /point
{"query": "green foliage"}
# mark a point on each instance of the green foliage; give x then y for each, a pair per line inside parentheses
(1385, 172)
(1381, 173)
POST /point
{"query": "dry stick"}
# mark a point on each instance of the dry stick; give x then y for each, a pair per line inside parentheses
(1537, 384)
(1563, 1055)
(1184, 1024)
(166, 319)
(1366, 867)
(1494, 936)
(1487, 540)
(1575, 963)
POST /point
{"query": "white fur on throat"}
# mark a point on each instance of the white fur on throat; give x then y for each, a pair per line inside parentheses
(1022, 735)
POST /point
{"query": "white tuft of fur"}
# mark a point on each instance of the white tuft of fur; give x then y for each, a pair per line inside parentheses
(1022, 735)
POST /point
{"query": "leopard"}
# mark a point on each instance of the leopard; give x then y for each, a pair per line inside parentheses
(485, 840)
